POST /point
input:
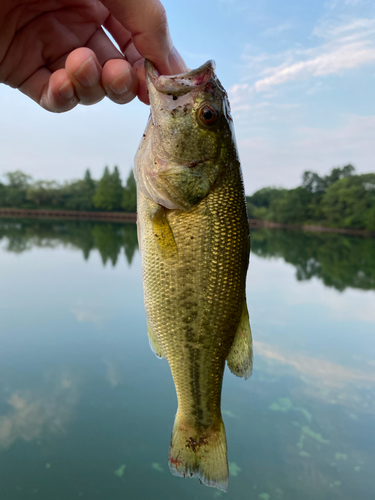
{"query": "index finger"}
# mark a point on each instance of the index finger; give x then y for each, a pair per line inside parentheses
(146, 20)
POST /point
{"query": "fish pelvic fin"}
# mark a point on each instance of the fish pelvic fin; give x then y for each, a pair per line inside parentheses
(154, 344)
(201, 453)
(240, 357)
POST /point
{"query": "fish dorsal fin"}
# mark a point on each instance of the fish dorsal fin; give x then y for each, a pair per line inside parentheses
(240, 357)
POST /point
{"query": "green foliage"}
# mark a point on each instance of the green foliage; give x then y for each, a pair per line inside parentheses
(350, 202)
(20, 191)
(259, 203)
(108, 195)
(45, 194)
(339, 199)
(292, 208)
(18, 179)
(129, 196)
(79, 194)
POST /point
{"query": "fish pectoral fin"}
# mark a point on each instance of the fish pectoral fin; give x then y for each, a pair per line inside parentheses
(154, 343)
(162, 232)
(240, 357)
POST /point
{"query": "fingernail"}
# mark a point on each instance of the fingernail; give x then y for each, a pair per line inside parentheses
(66, 90)
(88, 73)
(119, 86)
(176, 63)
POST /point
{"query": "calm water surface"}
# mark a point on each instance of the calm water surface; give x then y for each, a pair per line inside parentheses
(86, 409)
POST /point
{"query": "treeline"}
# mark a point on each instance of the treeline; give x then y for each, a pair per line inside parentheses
(339, 199)
(107, 194)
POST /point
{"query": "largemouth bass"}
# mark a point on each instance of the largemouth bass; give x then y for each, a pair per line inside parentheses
(193, 234)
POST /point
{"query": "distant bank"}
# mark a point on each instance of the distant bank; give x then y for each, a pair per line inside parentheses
(132, 217)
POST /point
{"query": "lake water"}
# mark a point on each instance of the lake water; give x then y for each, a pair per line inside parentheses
(86, 409)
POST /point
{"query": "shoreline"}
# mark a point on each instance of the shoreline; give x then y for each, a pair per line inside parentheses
(67, 214)
(258, 224)
(132, 217)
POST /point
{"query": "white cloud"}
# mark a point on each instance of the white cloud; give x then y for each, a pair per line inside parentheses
(347, 56)
(348, 46)
(329, 374)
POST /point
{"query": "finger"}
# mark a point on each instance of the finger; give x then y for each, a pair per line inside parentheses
(139, 67)
(54, 92)
(123, 38)
(146, 20)
(120, 81)
(103, 47)
(84, 71)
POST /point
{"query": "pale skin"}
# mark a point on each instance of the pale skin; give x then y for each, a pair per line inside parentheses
(56, 52)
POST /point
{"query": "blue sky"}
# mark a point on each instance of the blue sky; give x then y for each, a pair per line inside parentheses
(300, 77)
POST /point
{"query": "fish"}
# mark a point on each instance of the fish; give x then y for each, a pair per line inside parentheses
(194, 241)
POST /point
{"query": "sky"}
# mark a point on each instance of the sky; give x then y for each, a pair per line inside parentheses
(300, 78)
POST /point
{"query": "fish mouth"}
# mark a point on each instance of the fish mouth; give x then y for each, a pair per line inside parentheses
(164, 165)
(183, 82)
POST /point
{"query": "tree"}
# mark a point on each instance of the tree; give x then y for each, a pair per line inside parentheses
(79, 194)
(108, 195)
(18, 179)
(129, 196)
(350, 202)
(313, 183)
(292, 208)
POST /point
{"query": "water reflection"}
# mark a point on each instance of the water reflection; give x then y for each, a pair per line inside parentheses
(37, 412)
(340, 261)
(109, 239)
(86, 408)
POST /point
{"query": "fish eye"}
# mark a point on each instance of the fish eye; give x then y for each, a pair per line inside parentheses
(208, 115)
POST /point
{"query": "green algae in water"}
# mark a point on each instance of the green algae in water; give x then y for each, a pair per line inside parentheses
(285, 404)
(229, 413)
(341, 456)
(314, 435)
(282, 404)
(234, 469)
(265, 496)
(157, 466)
(304, 453)
(335, 483)
(120, 471)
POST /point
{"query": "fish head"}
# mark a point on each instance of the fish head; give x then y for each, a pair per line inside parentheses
(189, 133)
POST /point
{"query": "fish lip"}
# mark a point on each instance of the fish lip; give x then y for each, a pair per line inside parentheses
(181, 83)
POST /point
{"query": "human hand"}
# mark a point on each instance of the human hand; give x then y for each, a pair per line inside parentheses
(56, 52)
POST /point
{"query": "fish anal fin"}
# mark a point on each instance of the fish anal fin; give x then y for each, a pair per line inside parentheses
(240, 357)
(200, 453)
(154, 343)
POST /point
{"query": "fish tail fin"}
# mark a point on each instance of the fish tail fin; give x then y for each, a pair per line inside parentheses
(200, 453)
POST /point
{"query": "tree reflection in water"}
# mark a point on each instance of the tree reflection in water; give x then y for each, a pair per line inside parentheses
(338, 260)
(109, 238)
